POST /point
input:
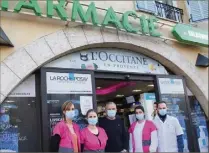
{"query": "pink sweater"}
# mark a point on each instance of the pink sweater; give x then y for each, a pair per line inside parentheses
(91, 141)
(66, 137)
(149, 127)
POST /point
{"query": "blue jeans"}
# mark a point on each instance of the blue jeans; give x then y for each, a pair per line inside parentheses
(65, 150)
(98, 151)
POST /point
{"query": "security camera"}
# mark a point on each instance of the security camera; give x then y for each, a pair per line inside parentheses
(127, 77)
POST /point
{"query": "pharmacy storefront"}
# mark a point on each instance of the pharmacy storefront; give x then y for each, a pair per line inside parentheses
(81, 53)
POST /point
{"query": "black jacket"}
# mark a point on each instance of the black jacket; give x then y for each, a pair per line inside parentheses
(117, 135)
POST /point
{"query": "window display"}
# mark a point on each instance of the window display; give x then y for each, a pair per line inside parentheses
(200, 124)
(172, 92)
(74, 87)
(18, 131)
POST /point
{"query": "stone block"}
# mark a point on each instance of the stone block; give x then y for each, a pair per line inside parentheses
(40, 51)
(2, 97)
(8, 80)
(110, 35)
(93, 34)
(58, 42)
(76, 36)
(123, 37)
(20, 63)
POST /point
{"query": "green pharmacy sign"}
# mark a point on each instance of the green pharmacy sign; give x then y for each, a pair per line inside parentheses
(190, 35)
(142, 25)
(145, 25)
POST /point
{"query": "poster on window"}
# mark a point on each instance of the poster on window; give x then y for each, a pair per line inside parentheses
(55, 109)
(171, 86)
(9, 140)
(86, 104)
(18, 119)
(68, 83)
(25, 89)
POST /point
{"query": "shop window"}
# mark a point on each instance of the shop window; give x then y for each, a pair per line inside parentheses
(163, 8)
(200, 124)
(18, 126)
(198, 10)
(77, 88)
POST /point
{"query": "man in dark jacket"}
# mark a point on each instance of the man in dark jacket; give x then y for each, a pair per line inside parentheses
(117, 135)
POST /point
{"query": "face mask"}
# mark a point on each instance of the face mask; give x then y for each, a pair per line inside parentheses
(140, 116)
(111, 113)
(70, 114)
(92, 121)
(163, 112)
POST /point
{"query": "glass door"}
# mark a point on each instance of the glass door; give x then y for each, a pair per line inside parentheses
(171, 89)
(59, 86)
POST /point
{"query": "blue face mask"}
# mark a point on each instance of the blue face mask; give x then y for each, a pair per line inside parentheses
(140, 116)
(163, 112)
(111, 113)
(92, 121)
(70, 114)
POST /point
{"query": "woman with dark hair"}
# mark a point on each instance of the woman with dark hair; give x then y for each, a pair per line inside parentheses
(66, 134)
(93, 138)
(143, 133)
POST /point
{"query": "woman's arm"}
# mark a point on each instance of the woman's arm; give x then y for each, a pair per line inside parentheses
(54, 143)
(154, 141)
(56, 137)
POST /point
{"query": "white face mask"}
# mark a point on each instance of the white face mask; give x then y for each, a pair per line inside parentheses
(111, 113)
(70, 114)
(163, 112)
(140, 116)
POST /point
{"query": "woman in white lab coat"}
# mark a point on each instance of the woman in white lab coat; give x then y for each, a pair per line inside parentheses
(143, 133)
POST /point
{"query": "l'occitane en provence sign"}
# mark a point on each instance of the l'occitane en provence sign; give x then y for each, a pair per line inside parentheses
(146, 25)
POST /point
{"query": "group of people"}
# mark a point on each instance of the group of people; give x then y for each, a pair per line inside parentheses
(108, 134)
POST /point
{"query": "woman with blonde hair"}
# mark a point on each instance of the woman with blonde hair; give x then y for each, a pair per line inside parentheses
(66, 134)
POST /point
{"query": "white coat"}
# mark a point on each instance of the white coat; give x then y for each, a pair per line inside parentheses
(167, 133)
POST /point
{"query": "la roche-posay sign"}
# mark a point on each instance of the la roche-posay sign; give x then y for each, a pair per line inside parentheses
(68, 83)
(171, 86)
(109, 60)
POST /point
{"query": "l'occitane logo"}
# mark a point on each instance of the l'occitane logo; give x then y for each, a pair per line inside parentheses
(146, 25)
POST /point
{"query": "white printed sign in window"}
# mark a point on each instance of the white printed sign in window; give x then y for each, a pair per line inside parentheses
(171, 86)
(68, 83)
(86, 103)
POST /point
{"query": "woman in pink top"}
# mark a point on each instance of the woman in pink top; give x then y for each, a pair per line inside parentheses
(66, 134)
(143, 134)
(93, 138)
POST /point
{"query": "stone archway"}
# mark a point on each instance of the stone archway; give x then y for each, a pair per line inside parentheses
(16, 67)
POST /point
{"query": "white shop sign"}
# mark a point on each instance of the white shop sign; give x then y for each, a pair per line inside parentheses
(109, 60)
(25, 89)
(171, 86)
(68, 83)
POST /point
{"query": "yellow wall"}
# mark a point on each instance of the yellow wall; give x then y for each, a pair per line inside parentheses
(23, 29)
